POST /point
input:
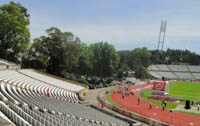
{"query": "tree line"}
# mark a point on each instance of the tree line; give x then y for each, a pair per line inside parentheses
(65, 55)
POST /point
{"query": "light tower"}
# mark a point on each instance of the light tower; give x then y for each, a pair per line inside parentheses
(161, 38)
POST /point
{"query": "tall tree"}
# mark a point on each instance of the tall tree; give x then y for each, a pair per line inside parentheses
(58, 52)
(14, 33)
(37, 56)
(141, 72)
(139, 57)
(84, 64)
(105, 59)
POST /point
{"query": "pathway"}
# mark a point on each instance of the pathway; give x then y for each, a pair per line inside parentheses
(91, 97)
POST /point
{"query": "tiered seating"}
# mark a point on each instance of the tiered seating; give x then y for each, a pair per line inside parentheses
(30, 105)
(35, 85)
(13, 115)
(167, 74)
(153, 67)
(155, 74)
(194, 68)
(51, 80)
(163, 67)
(184, 72)
(181, 68)
(184, 75)
(197, 75)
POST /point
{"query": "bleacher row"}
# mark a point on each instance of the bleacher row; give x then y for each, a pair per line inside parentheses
(4, 64)
(25, 102)
(183, 72)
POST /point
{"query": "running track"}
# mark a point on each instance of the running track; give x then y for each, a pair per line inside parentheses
(131, 103)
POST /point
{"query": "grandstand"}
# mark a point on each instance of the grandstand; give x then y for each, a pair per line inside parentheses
(25, 102)
(182, 72)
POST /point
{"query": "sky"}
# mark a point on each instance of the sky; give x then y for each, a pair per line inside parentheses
(127, 24)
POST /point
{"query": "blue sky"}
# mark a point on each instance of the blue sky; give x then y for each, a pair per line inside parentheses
(127, 24)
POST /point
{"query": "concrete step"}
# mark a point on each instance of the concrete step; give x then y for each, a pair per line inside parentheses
(85, 103)
(138, 124)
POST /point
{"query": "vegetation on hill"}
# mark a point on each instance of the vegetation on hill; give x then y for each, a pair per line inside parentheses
(63, 54)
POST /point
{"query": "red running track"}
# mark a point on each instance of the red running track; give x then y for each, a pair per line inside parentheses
(131, 103)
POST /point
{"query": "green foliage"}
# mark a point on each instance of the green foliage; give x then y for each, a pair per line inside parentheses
(81, 80)
(104, 58)
(136, 60)
(140, 57)
(14, 33)
(175, 57)
(124, 60)
(141, 72)
(85, 65)
(57, 52)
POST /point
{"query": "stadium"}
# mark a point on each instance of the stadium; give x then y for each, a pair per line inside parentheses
(57, 79)
(30, 97)
(25, 100)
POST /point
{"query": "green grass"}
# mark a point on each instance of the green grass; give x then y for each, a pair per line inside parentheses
(186, 90)
(109, 99)
(148, 92)
(191, 113)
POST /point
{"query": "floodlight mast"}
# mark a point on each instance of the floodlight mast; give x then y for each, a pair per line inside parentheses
(161, 38)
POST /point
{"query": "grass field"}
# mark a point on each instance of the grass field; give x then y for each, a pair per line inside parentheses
(148, 92)
(186, 90)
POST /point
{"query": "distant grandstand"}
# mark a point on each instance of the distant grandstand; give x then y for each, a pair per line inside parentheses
(25, 101)
(178, 72)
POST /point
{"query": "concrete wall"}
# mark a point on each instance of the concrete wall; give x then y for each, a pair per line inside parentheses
(13, 67)
(3, 67)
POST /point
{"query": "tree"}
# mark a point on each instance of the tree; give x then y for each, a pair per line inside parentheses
(124, 59)
(84, 66)
(37, 56)
(124, 56)
(171, 56)
(104, 58)
(14, 33)
(139, 57)
(141, 72)
(58, 52)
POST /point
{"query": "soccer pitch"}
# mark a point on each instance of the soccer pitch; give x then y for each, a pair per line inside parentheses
(186, 90)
